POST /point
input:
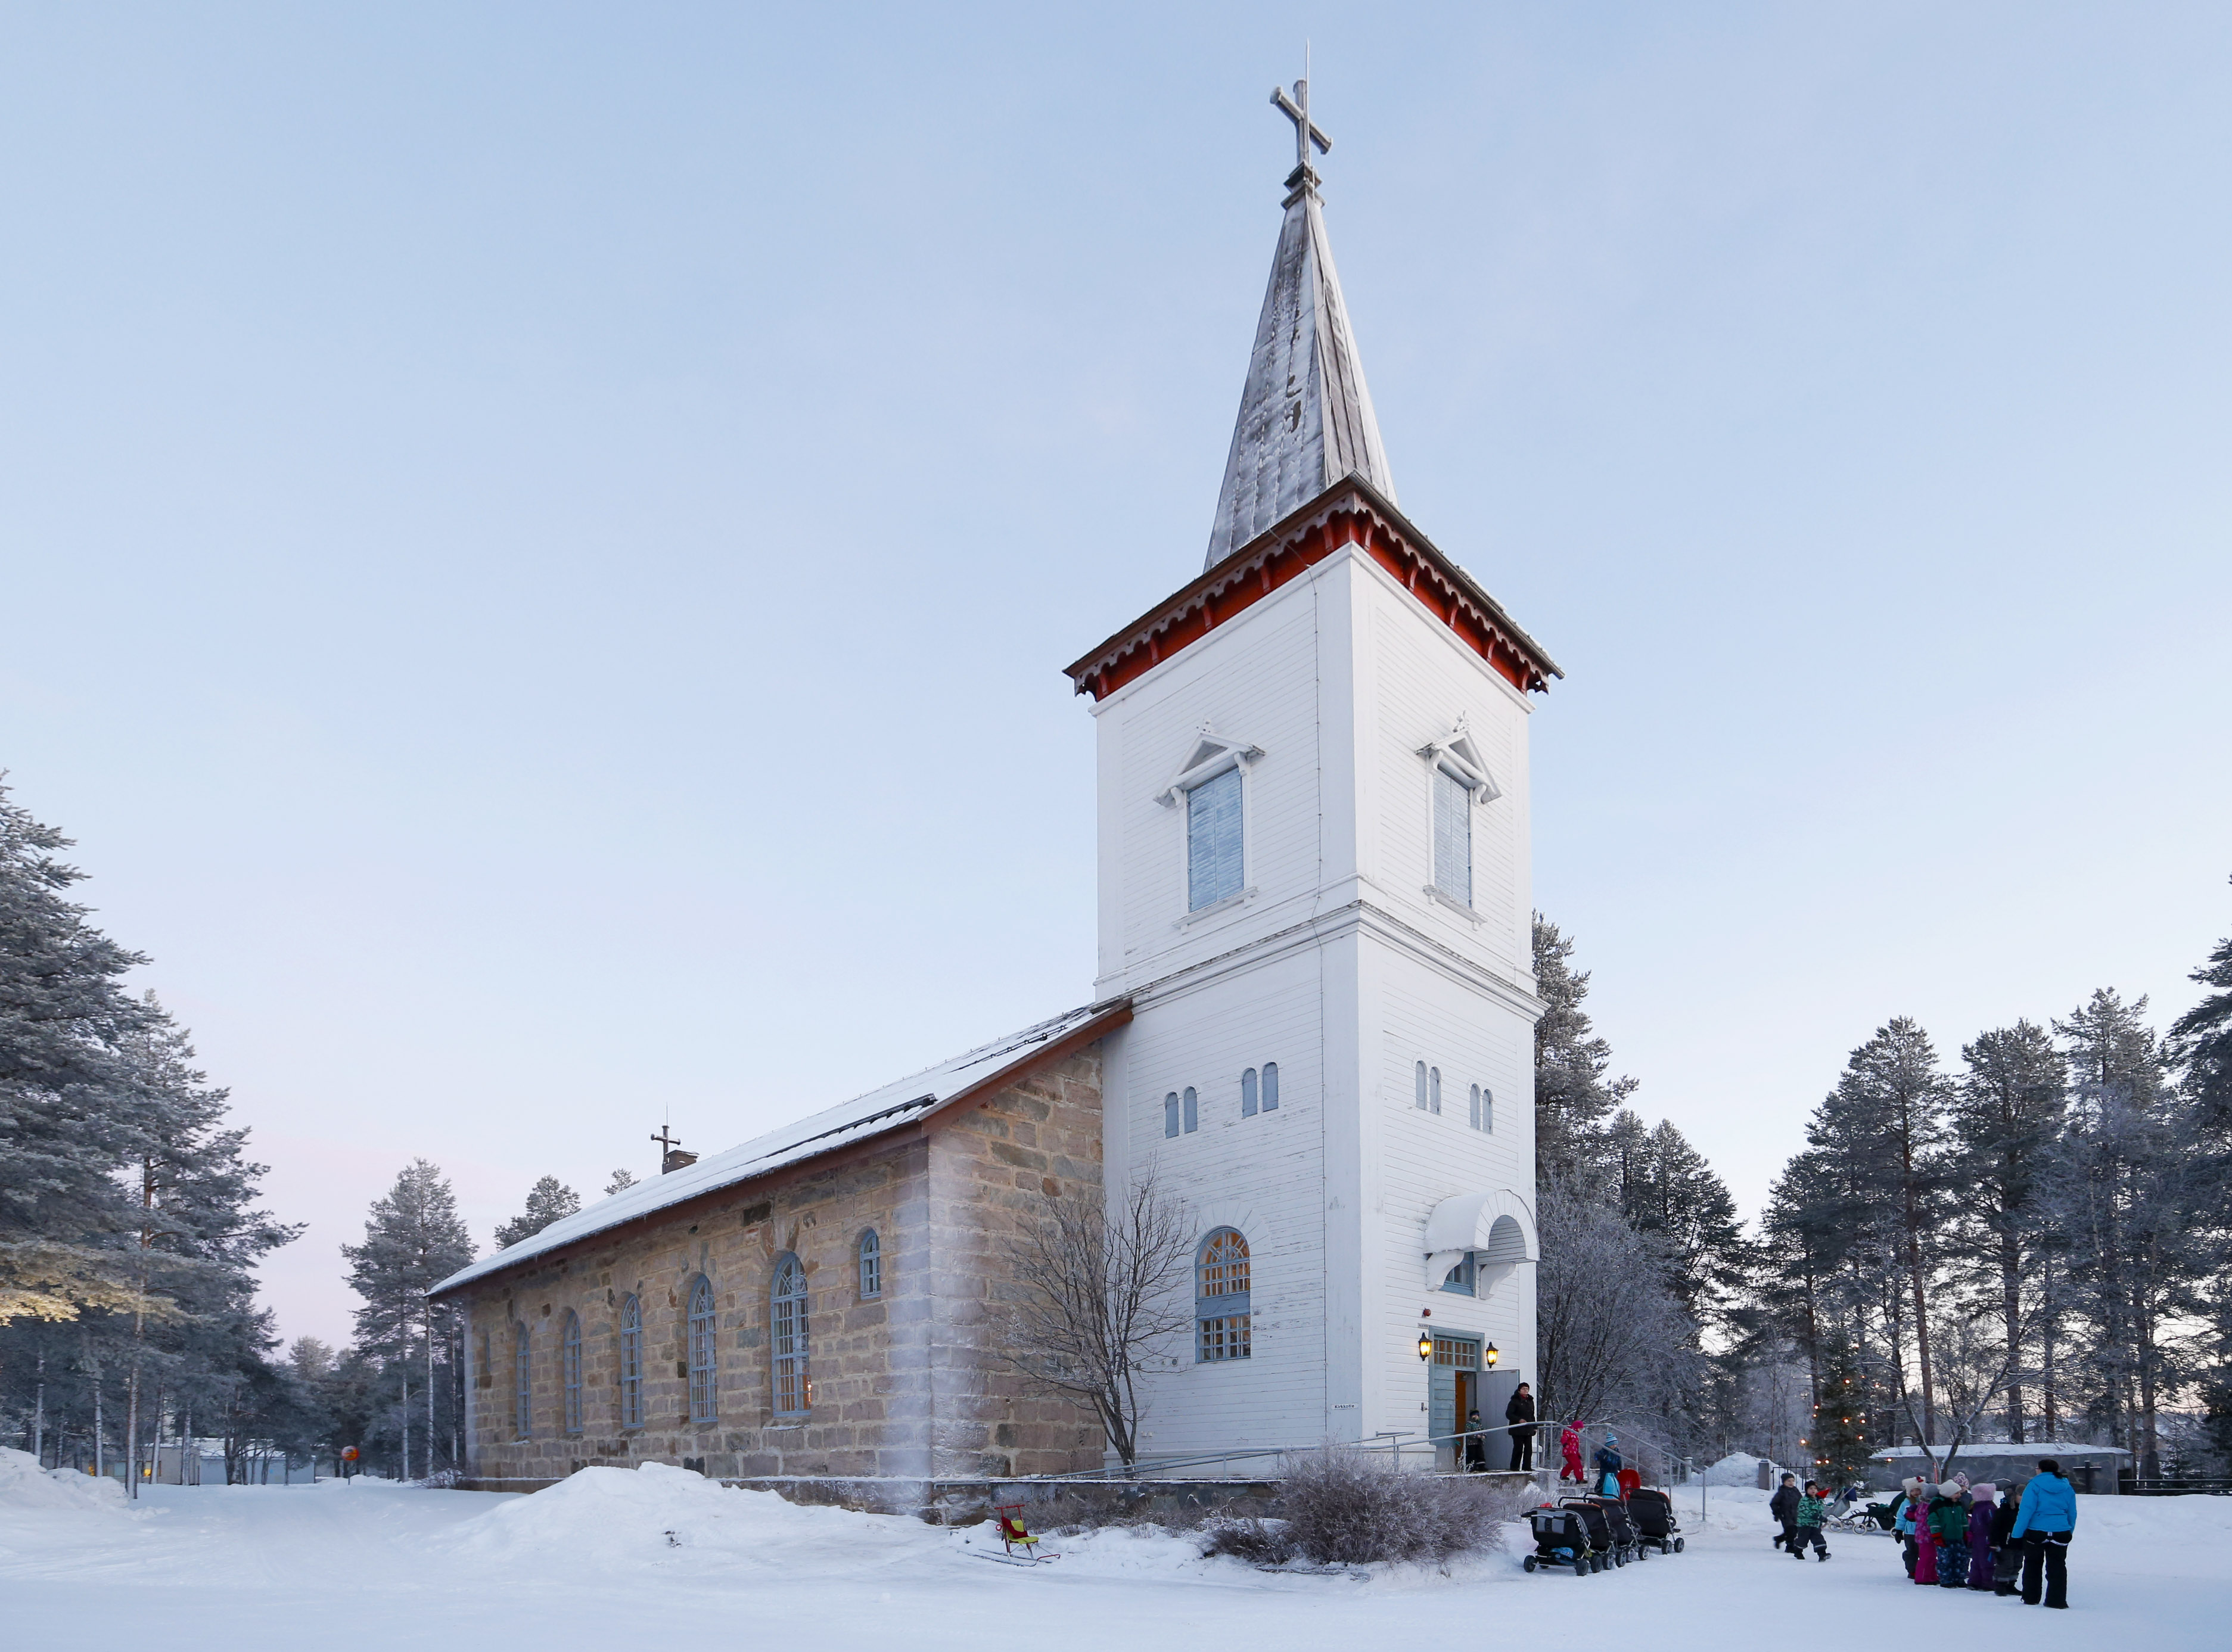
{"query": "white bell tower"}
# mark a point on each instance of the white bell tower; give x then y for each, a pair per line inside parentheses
(1314, 887)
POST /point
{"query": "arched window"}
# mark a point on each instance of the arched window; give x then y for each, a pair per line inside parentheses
(1270, 1086)
(1192, 1111)
(570, 1371)
(871, 1265)
(1221, 1299)
(1248, 1093)
(1170, 1114)
(1418, 1091)
(1473, 1119)
(1433, 1090)
(704, 1395)
(522, 1389)
(631, 1362)
(787, 1300)
(1483, 1108)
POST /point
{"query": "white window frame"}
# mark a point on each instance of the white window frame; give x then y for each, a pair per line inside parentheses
(1455, 753)
(1210, 755)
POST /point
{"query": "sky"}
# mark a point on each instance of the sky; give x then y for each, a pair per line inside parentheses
(537, 543)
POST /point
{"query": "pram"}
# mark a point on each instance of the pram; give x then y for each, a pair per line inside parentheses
(1561, 1539)
(1652, 1511)
(1627, 1542)
(1608, 1551)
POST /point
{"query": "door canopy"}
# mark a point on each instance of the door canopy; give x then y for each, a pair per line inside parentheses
(1497, 1227)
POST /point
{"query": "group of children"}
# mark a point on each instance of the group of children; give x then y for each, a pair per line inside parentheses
(1957, 1535)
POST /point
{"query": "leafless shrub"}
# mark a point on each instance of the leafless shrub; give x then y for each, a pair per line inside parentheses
(1344, 1506)
(1261, 1543)
(1102, 1290)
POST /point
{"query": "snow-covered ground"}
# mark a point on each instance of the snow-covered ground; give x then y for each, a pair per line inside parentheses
(612, 1558)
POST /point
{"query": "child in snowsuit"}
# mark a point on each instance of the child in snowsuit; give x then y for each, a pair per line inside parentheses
(1903, 1514)
(2007, 1553)
(1980, 1534)
(1784, 1507)
(1948, 1530)
(1809, 1525)
(1608, 1467)
(1569, 1443)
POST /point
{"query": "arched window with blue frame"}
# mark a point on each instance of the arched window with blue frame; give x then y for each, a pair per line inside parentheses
(787, 1300)
(704, 1388)
(631, 1362)
(1270, 1086)
(1223, 1311)
(570, 1371)
(523, 1386)
(872, 1266)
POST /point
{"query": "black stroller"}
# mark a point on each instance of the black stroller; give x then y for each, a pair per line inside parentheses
(1561, 1539)
(1626, 1541)
(1607, 1550)
(1652, 1511)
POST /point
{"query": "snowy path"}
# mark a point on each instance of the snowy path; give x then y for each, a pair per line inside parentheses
(592, 1564)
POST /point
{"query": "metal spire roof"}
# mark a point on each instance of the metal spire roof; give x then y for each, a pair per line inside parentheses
(1306, 418)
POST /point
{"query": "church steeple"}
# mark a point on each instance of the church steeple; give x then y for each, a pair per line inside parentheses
(1306, 418)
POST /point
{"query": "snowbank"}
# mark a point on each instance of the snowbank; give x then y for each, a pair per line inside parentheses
(24, 1487)
(1737, 1468)
(654, 1516)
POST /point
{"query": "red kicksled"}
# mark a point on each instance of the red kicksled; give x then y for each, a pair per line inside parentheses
(1018, 1543)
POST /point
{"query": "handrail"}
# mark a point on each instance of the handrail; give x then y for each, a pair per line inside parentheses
(1395, 1442)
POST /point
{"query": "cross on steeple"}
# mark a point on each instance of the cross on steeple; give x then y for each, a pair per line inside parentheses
(1297, 109)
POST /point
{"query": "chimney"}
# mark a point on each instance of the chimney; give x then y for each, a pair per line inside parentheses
(676, 1158)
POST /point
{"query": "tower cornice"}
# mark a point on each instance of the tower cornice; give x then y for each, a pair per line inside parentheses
(1350, 513)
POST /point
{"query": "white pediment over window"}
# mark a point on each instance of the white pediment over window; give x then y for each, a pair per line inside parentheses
(1457, 755)
(1207, 754)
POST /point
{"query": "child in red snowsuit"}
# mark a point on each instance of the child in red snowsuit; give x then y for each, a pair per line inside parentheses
(1570, 1444)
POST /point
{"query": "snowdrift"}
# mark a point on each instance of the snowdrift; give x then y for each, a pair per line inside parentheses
(657, 1516)
(25, 1487)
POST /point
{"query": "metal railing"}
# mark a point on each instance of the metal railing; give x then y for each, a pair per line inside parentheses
(1395, 1442)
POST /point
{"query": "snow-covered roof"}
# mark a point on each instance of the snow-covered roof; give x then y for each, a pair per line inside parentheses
(2000, 1448)
(900, 1102)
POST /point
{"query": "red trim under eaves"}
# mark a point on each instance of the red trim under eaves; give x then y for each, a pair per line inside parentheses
(1351, 512)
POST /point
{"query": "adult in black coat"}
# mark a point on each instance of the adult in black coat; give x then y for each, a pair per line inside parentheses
(1519, 1414)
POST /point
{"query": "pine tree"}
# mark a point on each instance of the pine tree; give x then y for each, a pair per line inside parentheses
(622, 1180)
(547, 1201)
(2005, 1115)
(2202, 1040)
(413, 1239)
(1839, 1440)
(1571, 1094)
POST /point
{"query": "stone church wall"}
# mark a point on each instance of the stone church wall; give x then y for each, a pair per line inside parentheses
(904, 1385)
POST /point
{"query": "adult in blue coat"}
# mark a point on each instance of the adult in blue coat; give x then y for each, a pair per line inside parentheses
(2045, 1522)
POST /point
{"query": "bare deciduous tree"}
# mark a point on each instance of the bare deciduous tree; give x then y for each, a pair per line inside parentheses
(1612, 1336)
(1101, 1290)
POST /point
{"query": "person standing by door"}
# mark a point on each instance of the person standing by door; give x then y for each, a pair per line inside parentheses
(1519, 1414)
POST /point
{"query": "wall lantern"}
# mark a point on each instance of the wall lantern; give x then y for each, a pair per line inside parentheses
(1488, 1355)
(1426, 1344)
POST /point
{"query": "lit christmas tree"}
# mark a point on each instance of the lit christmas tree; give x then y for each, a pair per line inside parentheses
(1838, 1444)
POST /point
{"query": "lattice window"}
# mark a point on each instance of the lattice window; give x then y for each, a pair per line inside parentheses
(523, 1389)
(631, 1362)
(1223, 1264)
(704, 1392)
(1458, 1352)
(871, 1265)
(1226, 1336)
(570, 1371)
(792, 1392)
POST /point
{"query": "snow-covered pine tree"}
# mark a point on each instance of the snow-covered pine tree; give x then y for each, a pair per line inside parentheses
(547, 1201)
(2004, 1115)
(2124, 1192)
(622, 1180)
(413, 1239)
(1573, 1093)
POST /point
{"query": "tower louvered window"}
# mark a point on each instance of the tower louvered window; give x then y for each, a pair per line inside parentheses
(705, 1393)
(788, 1300)
(1214, 872)
(1452, 837)
(631, 1362)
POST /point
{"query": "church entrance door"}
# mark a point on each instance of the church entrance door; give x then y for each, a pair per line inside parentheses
(1452, 1392)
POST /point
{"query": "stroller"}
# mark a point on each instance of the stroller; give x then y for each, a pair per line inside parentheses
(1607, 1550)
(1561, 1539)
(1652, 1511)
(1626, 1541)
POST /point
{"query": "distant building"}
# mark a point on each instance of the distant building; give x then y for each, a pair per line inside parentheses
(1313, 1020)
(2090, 1468)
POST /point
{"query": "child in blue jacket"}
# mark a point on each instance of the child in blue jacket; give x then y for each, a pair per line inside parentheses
(2045, 1522)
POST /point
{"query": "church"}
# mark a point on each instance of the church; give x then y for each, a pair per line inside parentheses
(1312, 1025)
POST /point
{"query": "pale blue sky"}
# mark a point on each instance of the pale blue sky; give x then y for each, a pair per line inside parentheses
(538, 542)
